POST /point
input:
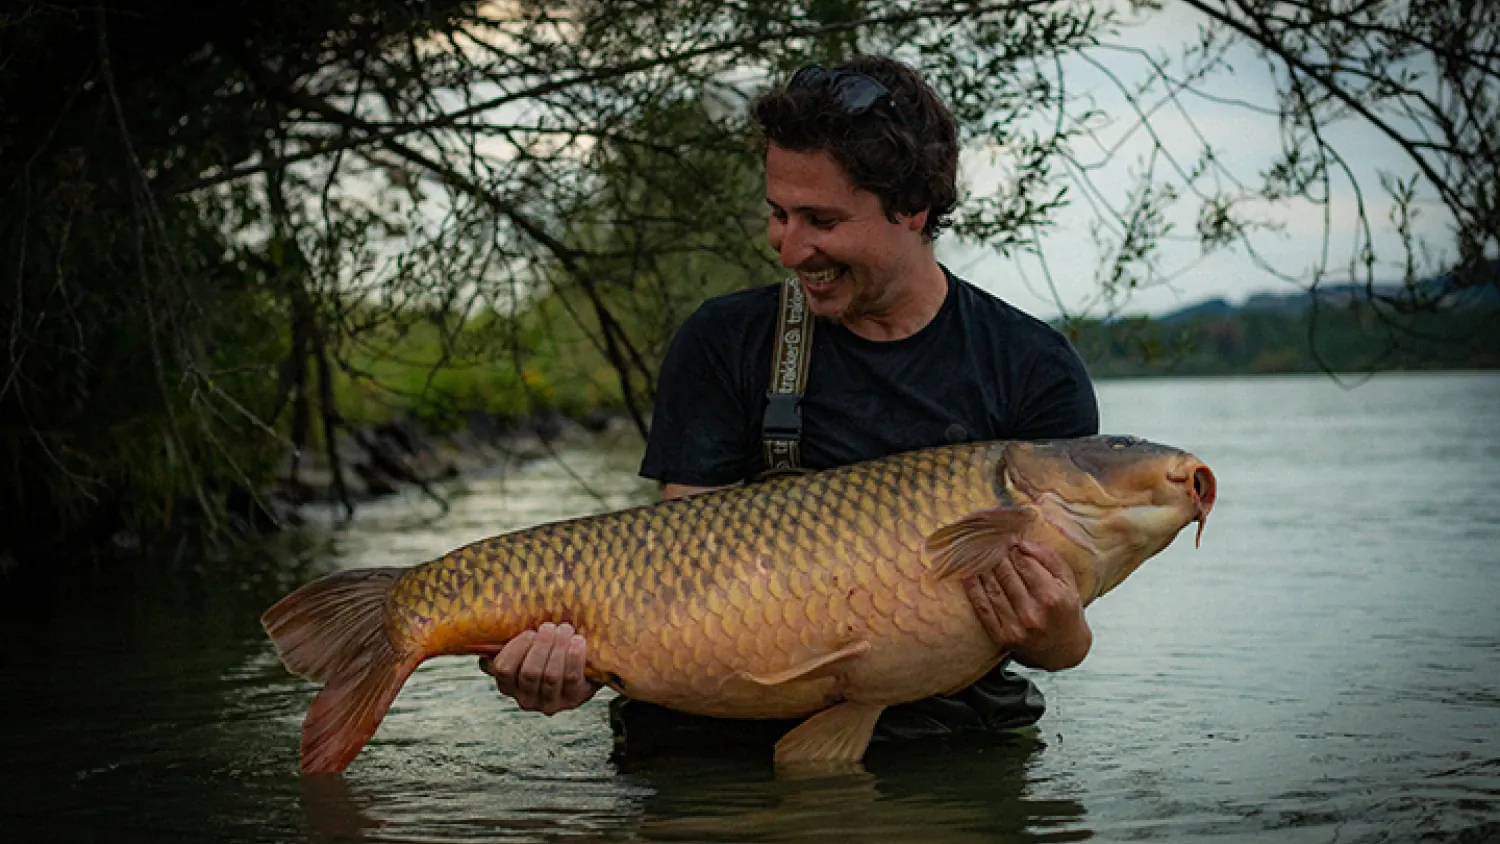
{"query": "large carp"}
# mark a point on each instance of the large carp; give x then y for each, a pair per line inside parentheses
(833, 594)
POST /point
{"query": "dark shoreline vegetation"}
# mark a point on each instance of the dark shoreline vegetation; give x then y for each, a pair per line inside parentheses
(263, 254)
(1342, 329)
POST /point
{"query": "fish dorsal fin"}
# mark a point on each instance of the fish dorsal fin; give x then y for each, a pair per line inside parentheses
(978, 542)
(839, 733)
(809, 669)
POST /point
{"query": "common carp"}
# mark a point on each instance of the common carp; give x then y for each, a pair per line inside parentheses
(831, 595)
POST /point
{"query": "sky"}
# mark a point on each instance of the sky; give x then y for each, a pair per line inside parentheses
(1245, 142)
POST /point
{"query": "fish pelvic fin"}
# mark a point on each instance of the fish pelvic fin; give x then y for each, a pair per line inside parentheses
(334, 631)
(838, 734)
(810, 669)
(978, 542)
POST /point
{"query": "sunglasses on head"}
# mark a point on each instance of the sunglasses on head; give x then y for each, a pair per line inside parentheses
(855, 92)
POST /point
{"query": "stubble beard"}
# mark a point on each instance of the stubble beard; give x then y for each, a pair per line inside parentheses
(866, 300)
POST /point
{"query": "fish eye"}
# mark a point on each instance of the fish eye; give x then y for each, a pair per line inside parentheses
(1122, 442)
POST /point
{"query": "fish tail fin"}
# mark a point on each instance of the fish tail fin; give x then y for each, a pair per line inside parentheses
(334, 631)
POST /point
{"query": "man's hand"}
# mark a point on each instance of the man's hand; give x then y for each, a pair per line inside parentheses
(542, 669)
(1029, 605)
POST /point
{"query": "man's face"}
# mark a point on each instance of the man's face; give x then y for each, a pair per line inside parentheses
(852, 261)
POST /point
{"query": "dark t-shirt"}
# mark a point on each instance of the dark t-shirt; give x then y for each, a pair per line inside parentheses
(980, 370)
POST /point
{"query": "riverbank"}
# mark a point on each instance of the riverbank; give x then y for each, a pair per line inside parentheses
(380, 460)
(373, 462)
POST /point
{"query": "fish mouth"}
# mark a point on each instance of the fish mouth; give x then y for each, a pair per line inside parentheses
(1203, 488)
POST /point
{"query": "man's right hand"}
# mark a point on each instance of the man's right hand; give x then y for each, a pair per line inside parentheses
(542, 669)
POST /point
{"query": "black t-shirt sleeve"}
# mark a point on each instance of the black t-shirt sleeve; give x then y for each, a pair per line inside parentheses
(700, 431)
(1060, 401)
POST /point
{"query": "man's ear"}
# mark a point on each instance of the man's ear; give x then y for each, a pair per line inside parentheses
(916, 222)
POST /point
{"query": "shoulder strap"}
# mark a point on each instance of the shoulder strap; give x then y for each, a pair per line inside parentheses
(781, 428)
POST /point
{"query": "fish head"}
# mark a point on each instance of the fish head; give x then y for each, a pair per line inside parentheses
(1119, 500)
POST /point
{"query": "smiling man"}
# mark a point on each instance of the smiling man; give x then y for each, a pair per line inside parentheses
(861, 176)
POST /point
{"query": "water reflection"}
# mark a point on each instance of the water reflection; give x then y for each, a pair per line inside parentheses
(949, 792)
(957, 792)
(334, 811)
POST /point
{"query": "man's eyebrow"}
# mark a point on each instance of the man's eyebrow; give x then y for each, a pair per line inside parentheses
(821, 210)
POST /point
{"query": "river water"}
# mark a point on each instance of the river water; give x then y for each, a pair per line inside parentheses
(1325, 668)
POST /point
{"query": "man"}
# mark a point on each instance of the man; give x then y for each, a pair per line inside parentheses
(861, 170)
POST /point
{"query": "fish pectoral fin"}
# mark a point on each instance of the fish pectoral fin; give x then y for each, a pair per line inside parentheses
(840, 733)
(978, 542)
(810, 669)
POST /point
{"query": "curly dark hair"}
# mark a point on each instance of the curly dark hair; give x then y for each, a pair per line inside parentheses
(909, 158)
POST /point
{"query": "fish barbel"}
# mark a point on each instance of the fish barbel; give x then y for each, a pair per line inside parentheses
(831, 595)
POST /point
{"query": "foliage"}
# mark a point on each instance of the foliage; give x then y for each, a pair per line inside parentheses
(144, 331)
(1420, 73)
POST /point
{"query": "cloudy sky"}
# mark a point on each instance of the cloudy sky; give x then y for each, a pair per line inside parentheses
(1245, 141)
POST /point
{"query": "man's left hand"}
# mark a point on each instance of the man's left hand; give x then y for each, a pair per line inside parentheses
(1029, 605)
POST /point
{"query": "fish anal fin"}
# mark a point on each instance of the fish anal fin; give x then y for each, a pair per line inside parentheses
(978, 542)
(810, 669)
(838, 734)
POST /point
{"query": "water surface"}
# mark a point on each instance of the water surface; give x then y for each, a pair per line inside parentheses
(1325, 668)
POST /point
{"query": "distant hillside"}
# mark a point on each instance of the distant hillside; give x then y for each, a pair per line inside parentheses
(1340, 329)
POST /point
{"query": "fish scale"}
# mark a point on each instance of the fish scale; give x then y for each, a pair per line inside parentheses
(835, 593)
(674, 569)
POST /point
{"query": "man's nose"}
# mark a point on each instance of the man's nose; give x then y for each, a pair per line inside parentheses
(794, 242)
